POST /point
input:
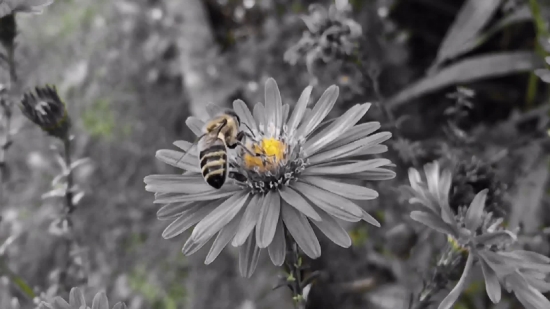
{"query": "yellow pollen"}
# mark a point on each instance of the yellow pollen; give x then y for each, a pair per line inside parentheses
(455, 245)
(269, 152)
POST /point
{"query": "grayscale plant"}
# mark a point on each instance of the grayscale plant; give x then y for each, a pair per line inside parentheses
(47, 110)
(78, 301)
(331, 35)
(311, 173)
(8, 9)
(477, 234)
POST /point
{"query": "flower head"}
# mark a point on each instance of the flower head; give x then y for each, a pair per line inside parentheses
(331, 35)
(78, 301)
(297, 171)
(476, 233)
(46, 110)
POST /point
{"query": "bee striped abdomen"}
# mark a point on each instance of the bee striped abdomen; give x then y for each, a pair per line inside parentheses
(213, 162)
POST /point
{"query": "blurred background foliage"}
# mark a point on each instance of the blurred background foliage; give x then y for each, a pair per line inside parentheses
(123, 69)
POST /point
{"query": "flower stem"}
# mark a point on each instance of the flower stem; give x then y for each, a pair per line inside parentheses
(68, 161)
(6, 106)
(294, 267)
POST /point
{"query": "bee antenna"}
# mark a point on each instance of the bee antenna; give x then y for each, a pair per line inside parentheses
(252, 132)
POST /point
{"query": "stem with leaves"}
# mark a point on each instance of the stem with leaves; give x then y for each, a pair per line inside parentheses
(442, 274)
(70, 237)
(68, 162)
(296, 278)
(6, 105)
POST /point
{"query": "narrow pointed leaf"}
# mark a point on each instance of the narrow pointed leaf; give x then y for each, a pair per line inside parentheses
(453, 296)
(473, 216)
(471, 19)
(469, 70)
(434, 222)
(492, 285)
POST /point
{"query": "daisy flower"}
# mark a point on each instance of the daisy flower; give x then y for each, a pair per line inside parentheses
(78, 301)
(311, 173)
(475, 233)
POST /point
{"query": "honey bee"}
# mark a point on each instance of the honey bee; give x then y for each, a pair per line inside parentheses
(221, 132)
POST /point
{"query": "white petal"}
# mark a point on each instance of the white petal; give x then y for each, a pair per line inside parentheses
(76, 298)
(356, 133)
(273, 108)
(349, 191)
(259, 115)
(332, 229)
(277, 248)
(249, 220)
(339, 204)
(219, 217)
(245, 115)
(299, 110)
(286, 111)
(337, 128)
(187, 219)
(319, 112)
(177, 159)
(269, 216)
(189, 184)
(100, 301)
(249, 254)
(300, 229)
(196, 125)
(369, 218)
(174, 210)
(223, 238)
(295, 200)
(166, 198)
(350, 149)
(344, 169)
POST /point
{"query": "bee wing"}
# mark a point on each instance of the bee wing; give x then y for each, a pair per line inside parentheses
(215, 110)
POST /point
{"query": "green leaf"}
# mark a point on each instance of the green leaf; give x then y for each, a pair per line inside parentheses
(522, 14)
(23, 286)
(468, 70)
(473, 16)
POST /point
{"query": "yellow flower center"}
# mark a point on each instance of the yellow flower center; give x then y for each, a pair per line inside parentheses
(269, 152)
(455, 245)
